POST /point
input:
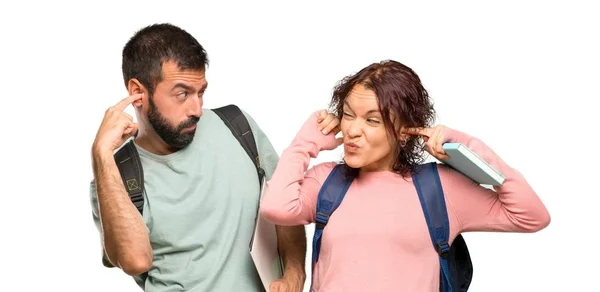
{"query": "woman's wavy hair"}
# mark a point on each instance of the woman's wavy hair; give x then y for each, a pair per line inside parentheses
(403, 101)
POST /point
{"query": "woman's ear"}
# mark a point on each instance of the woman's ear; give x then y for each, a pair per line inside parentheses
(401, 136)
(135, 87)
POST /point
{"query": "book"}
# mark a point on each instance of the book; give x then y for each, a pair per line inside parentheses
(264, 250)
(467, 162)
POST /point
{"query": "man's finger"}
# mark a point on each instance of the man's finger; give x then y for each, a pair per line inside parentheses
(127, 101)
(127, 116)
(134, 130)
(274, 287)
(130, 128)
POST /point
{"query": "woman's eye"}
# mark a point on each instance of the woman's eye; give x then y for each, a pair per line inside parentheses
(373, 121)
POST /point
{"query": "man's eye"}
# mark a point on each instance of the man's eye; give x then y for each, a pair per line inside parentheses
(182, 94)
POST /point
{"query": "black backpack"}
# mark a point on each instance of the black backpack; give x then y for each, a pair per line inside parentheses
(456, 268)
(130, 166)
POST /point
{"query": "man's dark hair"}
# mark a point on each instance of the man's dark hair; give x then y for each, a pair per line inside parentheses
(145, 52)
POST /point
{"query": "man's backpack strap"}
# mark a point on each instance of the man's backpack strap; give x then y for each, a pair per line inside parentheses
(130, 167)
(235, 120)
(429, 188)
(330, 197)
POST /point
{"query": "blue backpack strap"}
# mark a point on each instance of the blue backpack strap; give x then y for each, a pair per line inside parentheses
(330, 197)
(431, 195)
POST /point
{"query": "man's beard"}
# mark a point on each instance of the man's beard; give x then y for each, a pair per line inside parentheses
(171, 135)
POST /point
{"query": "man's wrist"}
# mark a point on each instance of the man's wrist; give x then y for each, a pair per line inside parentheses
(101, 152)
(294, 274)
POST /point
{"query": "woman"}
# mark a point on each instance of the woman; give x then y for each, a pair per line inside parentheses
(378, 239)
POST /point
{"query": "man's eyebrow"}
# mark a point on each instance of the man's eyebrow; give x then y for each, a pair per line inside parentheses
(184, 86)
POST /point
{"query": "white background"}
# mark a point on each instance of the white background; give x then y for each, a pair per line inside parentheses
(520, 75)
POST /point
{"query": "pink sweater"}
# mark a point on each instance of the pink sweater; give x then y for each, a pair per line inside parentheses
(377, 240)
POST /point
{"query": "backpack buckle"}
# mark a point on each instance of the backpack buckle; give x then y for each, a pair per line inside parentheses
(321, 220)
(443, 249)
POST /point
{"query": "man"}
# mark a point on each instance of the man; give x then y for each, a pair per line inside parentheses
(201, 188)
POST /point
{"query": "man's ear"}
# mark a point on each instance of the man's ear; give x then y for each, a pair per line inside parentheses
(134, 86)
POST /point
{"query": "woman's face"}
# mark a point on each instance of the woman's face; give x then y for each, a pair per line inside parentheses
(367, 143)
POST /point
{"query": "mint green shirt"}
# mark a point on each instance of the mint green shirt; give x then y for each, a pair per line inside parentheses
(200, 207)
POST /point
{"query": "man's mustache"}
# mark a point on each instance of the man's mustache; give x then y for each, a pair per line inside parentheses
(192, 121)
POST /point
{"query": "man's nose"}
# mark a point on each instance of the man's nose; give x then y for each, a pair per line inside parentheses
(195, 107)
